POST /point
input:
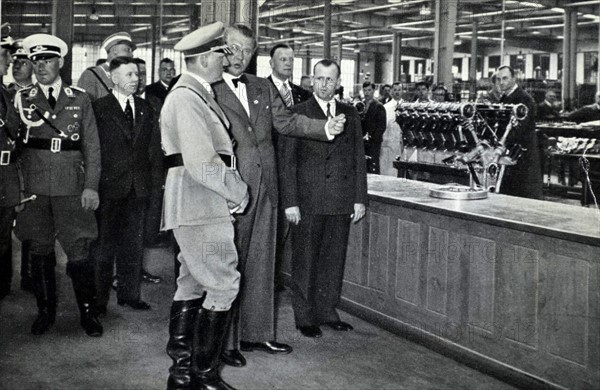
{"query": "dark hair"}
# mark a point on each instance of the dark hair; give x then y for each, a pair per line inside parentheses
(279, 46)
(117, 62)
(304, 77)
(166, 60)
(242, 29)
(384, 86)
(367, 84)
(327, 63)
(396, 83)
(420, 83)
(139, 61)
(510, 69)
(441, 87)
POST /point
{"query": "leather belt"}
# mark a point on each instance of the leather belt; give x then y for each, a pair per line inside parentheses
(176, 160)
(7, 157)
(54, 145)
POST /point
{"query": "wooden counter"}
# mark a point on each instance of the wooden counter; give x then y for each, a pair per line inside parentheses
(506, 284)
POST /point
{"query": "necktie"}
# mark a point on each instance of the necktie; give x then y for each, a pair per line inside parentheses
(129, 113)
(329, 111)
(286, 95)
(51, 98)
(241, 79)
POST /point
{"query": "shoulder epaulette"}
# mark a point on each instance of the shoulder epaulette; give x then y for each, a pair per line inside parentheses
(77, 88)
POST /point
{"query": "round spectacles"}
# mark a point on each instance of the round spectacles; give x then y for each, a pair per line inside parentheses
(235, 48)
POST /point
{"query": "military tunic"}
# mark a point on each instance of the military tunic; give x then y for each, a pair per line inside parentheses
(60, 158)
(9, 186)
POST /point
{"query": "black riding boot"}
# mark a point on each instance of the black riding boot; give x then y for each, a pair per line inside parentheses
(5, 268)
(211, 328)
(26, 283)
(44, 288)
(181, 343)
(82, 276)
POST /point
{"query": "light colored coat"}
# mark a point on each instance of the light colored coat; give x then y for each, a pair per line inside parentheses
(193, 124)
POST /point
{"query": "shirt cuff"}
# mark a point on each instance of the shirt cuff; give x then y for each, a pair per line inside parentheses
(329, 136)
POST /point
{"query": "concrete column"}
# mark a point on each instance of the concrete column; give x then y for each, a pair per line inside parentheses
(579, 68)
(411, 68)
(327, 29)
(569, 59)
(306, 65)
(528, 66)
(486, 66)
(396, 56)
(473, 64)
(62, 27)
(214, 10)
(339, 52)
(553, 66)
(445, 29)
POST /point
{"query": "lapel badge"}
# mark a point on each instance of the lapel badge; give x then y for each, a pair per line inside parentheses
(69, 92)
(33, 92)
(255, 102)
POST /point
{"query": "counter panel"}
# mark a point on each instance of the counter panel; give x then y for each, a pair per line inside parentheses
(504, 294)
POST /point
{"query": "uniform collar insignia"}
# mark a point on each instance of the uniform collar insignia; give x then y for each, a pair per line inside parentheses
(69, 92)
(33, 92)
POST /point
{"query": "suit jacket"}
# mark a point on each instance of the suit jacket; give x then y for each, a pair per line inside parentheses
(67, 172)
(299, 94)
(374, 122)
(158, 90)
(254, 145)
(94, 87)
(324, 178)
(546, 111)
(193, 124)
(525, 178)
(131, 158)
(585, 114)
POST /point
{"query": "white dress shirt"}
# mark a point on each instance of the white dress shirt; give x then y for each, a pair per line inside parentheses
(240, 91)
(56, 86)
(122, 99)
(323, 105)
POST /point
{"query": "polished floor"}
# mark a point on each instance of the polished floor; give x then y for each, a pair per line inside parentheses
(131, 354)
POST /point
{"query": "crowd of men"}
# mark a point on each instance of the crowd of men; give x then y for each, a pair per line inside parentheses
(252, 172)
(83, 165)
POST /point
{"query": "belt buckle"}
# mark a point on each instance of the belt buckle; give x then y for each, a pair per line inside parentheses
(55, 144)
(233, 162)
(5, 157)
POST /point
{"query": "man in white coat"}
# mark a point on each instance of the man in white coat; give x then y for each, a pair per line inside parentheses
(391, 147)
(202, 191)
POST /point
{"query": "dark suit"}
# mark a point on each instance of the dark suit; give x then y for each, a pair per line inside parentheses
(299, 95)
(284, 248)
(525, 178)
(131, 171)
(374, 123)
(324, 180)
(255, 230)
(157, 90)
(547, 112)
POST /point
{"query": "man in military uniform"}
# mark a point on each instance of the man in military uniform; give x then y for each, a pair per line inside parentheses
(202, 190)
(61, 166)
(22, 72)
(96, 80)
(9, 176)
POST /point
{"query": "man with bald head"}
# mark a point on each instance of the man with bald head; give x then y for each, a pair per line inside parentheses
(96, 80)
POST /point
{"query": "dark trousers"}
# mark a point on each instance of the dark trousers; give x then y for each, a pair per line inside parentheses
(253, 313)
(319, 253)
(153, 216)
(7, 216)
(373, 151)
(120, 237)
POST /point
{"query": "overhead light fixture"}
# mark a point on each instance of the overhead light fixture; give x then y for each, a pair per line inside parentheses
(93, 13)
(425, 11)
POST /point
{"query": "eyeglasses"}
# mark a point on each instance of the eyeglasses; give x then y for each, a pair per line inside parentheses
(235, 48)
